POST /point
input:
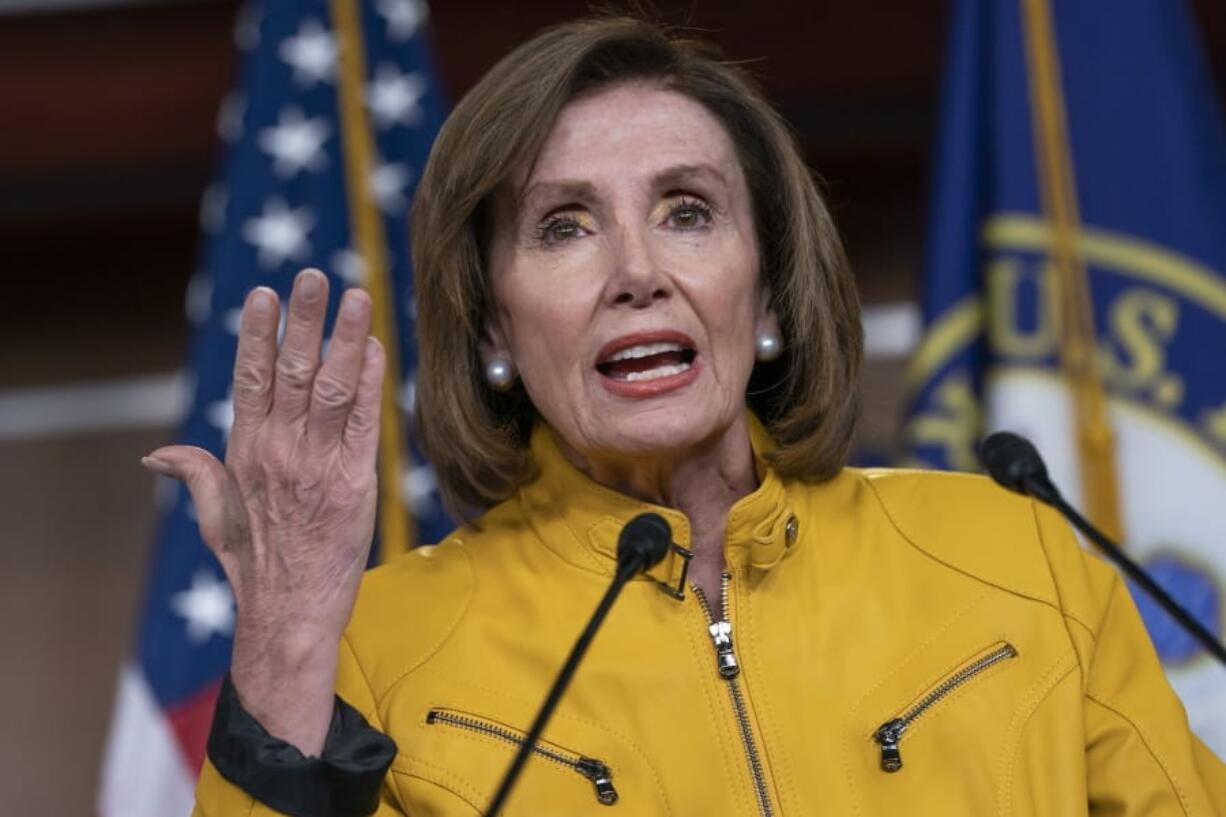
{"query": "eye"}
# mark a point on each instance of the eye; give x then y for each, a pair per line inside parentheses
(689, 213)
(560, 228)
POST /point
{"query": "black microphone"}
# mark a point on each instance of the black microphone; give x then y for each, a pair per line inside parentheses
(1014, 463)
(643, 542)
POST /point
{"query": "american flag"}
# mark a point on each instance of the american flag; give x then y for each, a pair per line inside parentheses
(323, 141)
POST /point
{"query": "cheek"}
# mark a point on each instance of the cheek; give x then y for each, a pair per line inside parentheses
(546, 314)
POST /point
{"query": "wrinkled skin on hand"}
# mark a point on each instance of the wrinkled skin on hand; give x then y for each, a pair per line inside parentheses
(290, 514)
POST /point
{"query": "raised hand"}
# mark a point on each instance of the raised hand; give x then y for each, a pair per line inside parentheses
(291, 513)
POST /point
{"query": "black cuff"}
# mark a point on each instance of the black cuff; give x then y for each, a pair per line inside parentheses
(343, 782)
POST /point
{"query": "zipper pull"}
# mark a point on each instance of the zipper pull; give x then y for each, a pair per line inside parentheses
(725, 658)
(888, 735)
(601, 777)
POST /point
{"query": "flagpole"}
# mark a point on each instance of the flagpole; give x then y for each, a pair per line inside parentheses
(396, 534)
(1078, 347)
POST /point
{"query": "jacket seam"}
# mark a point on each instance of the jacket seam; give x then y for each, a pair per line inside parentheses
(381, 696)
(1093, 631)
(374, 713)
(1111, 594)
(455, 784)
(1043, 689)
(590, 563)
(622, 739)
(1097, 629)
(1066, 616)
(982, 580)
(962, 690)
(427, 781)
(852, 717)
(1145, 741)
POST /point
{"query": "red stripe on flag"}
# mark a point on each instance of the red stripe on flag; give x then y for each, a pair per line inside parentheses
(190, 721)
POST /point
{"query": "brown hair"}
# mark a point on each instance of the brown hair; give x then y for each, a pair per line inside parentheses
(477, 438)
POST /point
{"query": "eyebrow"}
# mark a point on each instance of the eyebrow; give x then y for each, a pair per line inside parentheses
(585, 191)
(682, 173)
(563, 188)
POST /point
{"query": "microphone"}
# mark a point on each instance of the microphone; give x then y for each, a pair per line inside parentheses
(1014, 463)
(643, 542)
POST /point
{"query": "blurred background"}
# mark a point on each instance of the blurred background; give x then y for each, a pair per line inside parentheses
(108, 137)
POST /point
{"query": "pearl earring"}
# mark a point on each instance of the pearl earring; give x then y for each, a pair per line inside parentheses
(499, 373)
(767, 346)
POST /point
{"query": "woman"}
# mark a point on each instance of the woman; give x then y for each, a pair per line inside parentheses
(631, 298)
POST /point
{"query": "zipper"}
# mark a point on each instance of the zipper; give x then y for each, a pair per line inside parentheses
(728, 668)
(597, 772)
(889, 734)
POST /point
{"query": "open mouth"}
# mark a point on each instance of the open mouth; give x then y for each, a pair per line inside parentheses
(647, 361)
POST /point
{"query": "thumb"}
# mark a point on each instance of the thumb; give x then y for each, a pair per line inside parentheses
(205, 478)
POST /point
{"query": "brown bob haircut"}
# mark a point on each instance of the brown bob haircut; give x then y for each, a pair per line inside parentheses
(476, 437)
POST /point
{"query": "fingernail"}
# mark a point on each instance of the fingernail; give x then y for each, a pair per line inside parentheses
(372, 348)
(157, 466)
(352, 305)
(309, 284)
(261, 300)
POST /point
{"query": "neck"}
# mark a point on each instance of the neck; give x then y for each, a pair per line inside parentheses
(703, 482)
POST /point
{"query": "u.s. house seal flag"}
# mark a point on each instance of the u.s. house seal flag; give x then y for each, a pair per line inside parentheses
(1076, 286)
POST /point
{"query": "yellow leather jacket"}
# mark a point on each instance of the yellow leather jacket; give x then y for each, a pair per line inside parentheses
(890, 642)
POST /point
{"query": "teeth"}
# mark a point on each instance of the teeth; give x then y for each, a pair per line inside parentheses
(659, 371)
(646, 350)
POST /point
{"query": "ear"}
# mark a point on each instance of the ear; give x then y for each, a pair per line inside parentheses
(493, 344)
(766, 319)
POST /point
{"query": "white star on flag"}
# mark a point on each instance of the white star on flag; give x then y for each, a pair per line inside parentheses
(220, 415)
(208, 607)
(312, 53)
(296, 143)
(349, 265)
(233, 320)
(387, 184)
(230, 115)
(393, 97)
(408, 396)
(403, 17)
(418, 488)
(198, 302)
(280, 233)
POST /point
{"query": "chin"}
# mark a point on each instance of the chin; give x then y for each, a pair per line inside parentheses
(663, 430)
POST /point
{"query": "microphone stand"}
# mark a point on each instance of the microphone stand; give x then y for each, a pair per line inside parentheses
(1142, 578)
(1014, 463)
(632, 556)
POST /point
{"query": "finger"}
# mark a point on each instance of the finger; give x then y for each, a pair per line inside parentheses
(205, 479)
(361, 438)
(254, 361)
(336, 383)
(298, 359)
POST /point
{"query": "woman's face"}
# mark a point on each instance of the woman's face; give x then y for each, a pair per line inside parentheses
(626, 276)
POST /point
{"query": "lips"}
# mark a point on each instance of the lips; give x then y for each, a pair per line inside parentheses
(645, 364)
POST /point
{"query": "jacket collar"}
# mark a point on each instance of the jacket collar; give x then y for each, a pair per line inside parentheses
(580, 519)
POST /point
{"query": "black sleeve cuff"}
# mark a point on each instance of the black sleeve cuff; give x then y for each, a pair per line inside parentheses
(343, 782)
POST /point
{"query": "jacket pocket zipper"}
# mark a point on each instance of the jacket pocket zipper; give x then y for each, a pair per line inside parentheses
(597, 772)
(889, 734)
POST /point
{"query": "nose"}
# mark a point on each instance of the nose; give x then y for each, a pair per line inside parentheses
(637, 280)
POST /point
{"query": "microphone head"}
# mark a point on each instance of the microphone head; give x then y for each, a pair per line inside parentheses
(1014, 463)
(644, 541)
